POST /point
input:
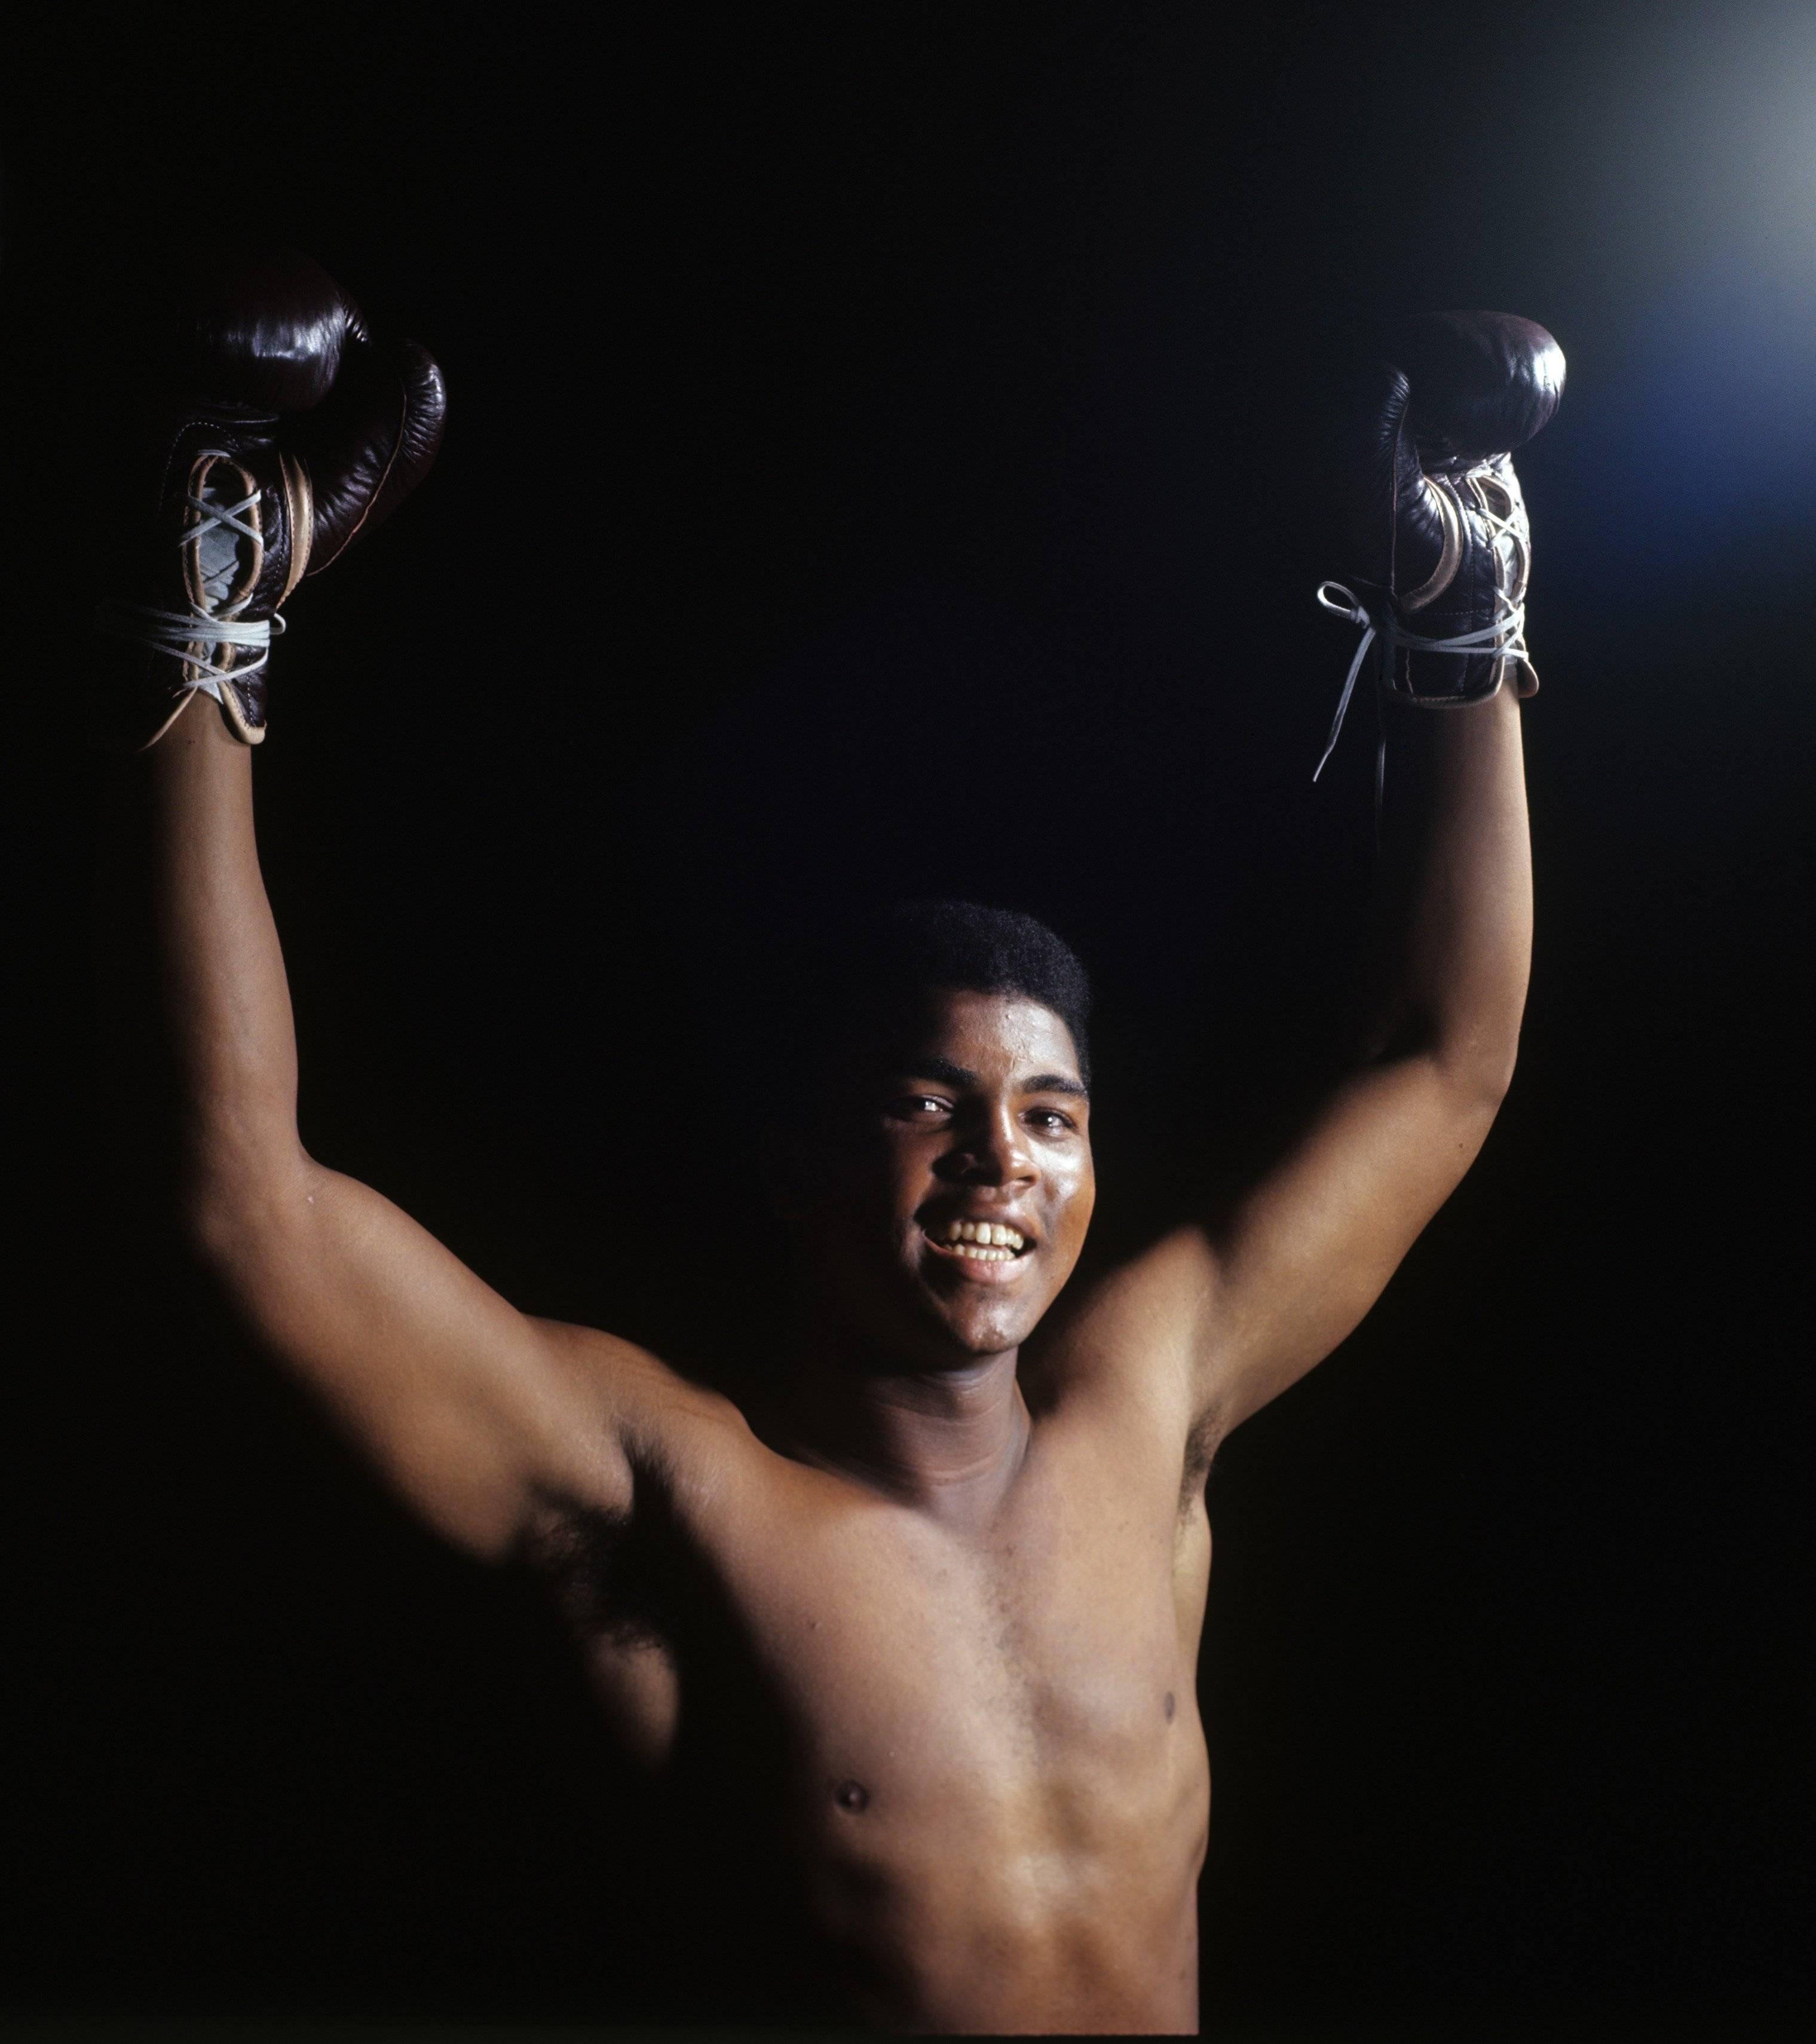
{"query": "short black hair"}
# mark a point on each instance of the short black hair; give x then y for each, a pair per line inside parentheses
(889, 956)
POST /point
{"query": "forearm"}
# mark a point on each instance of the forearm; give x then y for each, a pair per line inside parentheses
(194, 975)
(1454, 932)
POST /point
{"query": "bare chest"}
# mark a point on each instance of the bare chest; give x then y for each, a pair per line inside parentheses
(904, 1699)
(970, 1761)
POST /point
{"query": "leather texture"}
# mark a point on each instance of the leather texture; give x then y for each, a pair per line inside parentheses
(1440, 545)
(274, 432)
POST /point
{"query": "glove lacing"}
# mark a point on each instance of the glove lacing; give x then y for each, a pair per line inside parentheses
(1505, 636)
(189, 637)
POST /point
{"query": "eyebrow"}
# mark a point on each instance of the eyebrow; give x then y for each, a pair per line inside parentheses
(1058, 1082)
(946, 1073)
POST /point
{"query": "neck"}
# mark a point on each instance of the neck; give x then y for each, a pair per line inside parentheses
(949, 1441)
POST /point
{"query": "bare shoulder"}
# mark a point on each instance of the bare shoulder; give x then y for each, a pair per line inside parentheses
(659, 1418)
(1132, 1336)
(1225, 1313)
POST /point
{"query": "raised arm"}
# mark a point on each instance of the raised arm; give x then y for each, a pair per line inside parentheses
(1441, 547)
(1235, 1306)
(472, 1410)
(1300, 1259)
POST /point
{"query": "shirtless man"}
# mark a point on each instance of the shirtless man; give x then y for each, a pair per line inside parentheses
(957, 1574)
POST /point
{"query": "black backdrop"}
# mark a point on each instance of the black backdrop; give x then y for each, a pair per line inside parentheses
(883, 458)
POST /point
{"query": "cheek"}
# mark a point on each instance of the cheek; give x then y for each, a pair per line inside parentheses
(1079, 1187)
(900, 1170)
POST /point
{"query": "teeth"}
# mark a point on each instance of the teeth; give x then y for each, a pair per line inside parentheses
(993, 1240)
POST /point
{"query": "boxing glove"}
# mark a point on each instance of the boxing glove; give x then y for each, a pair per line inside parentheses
(1440, 548)
(272, 433)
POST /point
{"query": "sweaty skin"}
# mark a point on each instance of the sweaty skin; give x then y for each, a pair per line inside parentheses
(932, 1622)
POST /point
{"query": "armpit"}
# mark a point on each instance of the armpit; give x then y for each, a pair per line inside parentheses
(590, 1560)
(1200, 1448)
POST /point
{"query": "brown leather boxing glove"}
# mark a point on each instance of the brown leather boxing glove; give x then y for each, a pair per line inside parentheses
(1439, 547)
(273, 433)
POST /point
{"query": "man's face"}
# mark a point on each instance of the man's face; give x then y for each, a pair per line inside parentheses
(950, 1200)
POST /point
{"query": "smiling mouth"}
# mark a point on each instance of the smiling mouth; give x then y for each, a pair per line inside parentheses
(980, 1241)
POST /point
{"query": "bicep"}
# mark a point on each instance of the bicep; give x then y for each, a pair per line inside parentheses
(468, 1407)
(1303, 1256)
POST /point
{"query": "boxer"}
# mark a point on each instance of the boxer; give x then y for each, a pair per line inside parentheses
(956, 1571)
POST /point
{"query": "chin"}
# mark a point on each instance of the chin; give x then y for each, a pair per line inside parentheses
(990, 1330)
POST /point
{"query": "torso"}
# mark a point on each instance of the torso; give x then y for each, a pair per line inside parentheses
(973, 1757)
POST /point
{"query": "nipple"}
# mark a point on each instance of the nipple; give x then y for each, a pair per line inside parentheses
(852, 1795)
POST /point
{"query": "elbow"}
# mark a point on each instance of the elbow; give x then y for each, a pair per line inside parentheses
(1472, 1057)
(1479, 1071)
(212, 1223)
(231, 1209)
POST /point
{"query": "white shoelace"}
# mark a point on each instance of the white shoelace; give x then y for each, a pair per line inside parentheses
(1506, 635)
(189, 636)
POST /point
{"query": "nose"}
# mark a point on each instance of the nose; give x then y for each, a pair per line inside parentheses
(991, 1151)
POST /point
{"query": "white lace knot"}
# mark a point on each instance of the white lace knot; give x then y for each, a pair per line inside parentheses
(1505, 638)
(194, 638)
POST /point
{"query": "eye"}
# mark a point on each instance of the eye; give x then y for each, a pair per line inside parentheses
(1050, 1121)
(919, 1107)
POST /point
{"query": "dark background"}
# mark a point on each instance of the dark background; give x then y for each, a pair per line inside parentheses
(885, 456)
